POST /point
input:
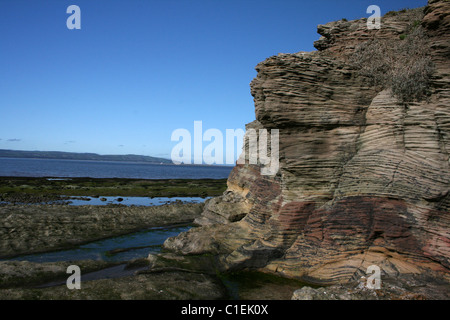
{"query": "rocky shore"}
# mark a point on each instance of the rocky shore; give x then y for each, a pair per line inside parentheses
(363, 181)
(21, 281)
(38, 190)
(30, 229)
(40, 228)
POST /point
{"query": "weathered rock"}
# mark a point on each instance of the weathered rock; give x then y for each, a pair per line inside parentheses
(156, 286)
(341, 37)
(402, 288)
(29, 229)
(363, 179)
(25, 274)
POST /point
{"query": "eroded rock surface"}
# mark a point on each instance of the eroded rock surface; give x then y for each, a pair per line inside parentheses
(30, 229)
(363, 179)
(160, 286)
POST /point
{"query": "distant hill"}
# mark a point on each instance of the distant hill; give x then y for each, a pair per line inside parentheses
(80, 156)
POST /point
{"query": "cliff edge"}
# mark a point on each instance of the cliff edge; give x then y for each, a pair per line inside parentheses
(363, 178)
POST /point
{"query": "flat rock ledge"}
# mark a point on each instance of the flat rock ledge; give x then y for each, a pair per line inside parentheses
(27, 229)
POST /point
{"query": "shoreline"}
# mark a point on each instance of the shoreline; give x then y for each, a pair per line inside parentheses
(122, 161)
(31, 228)
(37, 228)
(35, 190)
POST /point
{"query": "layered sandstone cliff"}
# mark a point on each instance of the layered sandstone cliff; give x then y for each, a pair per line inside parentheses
(363, 179)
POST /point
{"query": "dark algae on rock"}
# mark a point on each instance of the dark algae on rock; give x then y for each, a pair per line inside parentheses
(37, 190)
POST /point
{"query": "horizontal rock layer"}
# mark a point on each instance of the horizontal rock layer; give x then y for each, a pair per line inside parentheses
(362, 180)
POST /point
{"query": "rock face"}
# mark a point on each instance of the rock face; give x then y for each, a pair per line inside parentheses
(363, 180)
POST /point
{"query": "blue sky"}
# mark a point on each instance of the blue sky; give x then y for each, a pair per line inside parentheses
(139, 69)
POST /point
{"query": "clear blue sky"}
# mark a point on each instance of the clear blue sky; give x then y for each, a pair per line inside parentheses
(139, 69)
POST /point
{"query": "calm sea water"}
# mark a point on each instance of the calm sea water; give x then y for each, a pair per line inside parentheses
(19, 167)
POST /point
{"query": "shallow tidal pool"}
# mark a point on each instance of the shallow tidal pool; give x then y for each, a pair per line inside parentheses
(122, 248)
(132, 201)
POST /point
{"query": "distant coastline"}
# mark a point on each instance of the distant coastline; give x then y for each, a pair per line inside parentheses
(60, 155)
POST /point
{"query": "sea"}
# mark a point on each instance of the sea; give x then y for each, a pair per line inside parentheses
(28, 167)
